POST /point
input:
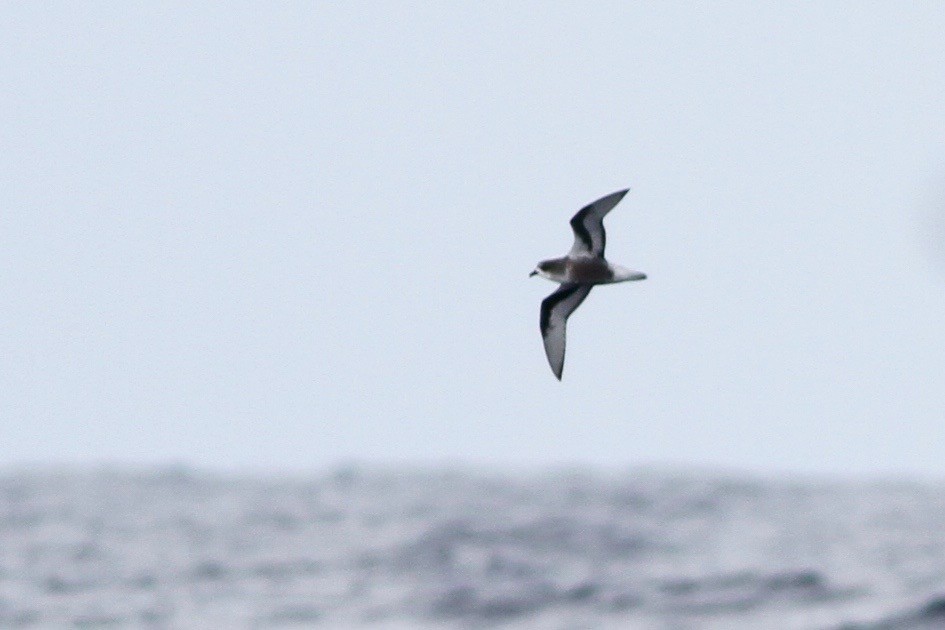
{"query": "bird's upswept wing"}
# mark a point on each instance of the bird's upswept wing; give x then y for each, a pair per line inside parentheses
(588, 225)
(555, 310)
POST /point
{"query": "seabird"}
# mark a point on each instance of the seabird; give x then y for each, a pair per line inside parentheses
(577, 273)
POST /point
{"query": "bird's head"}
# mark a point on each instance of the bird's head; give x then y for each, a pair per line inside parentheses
(550, 269)
(541, 269)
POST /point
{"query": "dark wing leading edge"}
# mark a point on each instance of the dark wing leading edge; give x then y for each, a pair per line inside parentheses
(555, 310)
(588, 225)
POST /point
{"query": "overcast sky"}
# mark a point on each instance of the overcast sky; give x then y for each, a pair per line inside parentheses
(286, 236)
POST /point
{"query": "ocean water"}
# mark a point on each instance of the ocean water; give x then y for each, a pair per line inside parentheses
(394, 549)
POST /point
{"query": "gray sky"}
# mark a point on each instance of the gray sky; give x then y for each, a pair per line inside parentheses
(281, 237)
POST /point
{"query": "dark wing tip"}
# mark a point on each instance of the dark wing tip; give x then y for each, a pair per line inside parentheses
(618, 196)
(556, 370)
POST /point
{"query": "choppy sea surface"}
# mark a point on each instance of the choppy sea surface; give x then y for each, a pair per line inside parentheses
(391, 549)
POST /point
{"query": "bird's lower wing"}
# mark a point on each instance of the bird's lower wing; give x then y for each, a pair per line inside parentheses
(555, 310)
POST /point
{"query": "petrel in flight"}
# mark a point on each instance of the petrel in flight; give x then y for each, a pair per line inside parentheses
(577, 273)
